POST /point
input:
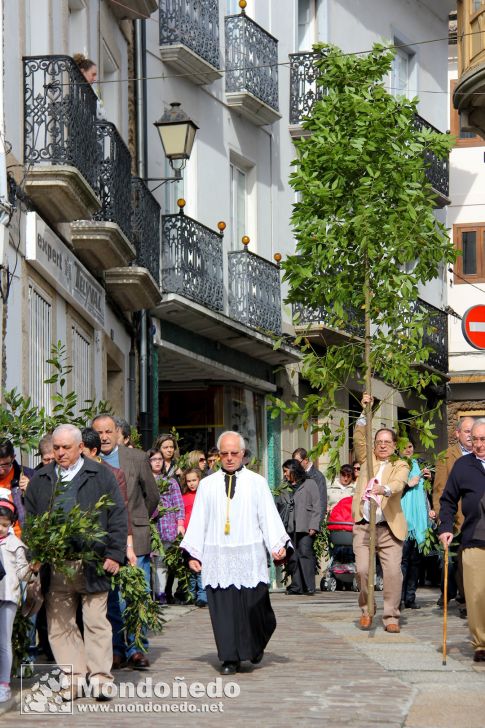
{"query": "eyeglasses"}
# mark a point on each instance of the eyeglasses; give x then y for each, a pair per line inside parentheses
(387, 443)
(478, 439)
(202, 460)
(356, 467)
(224, 454)
(6, 466)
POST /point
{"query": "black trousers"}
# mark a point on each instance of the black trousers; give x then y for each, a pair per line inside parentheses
(301, 564)
(242, 620)
(411, 559)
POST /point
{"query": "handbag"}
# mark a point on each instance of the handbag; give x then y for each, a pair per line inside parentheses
(32, 597)
(286, 512)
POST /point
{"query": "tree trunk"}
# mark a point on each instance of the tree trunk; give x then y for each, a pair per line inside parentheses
(368, 442)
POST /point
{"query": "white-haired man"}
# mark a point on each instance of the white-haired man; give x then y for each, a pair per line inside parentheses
(68, 481)
(233, 525)
(466, 484)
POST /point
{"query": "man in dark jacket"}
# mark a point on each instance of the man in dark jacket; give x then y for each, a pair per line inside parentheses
(69, 481)
(466, 483)
(143, 499)
(312, 473)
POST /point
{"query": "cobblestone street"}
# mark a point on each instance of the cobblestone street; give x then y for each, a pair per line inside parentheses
(319, 668)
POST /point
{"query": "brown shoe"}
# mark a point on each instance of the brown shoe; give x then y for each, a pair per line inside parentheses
(138, 661)
(479, 656)
(365, 621)
(392, 628)
(118, 662)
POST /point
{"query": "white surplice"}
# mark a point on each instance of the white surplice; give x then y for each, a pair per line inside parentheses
(239, 558)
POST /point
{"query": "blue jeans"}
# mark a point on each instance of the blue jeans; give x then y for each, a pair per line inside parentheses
(197, 591)
(116, 607)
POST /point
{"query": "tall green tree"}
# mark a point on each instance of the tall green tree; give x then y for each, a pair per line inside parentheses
(366, 239)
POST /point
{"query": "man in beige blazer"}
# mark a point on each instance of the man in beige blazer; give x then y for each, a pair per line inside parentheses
(390, 478)
(462, 446)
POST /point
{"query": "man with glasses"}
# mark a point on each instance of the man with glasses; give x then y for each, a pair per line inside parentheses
(466, 484)
(385, 488)
(234, 523)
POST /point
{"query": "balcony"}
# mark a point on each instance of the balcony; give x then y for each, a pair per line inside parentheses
(313, 321)
(469, 93)
(137, 286)
(435, 335)
(254, 291)
(104, 242)
(192, 261)
(60, 147)
(304, 93)
(133, 9)
(189, 38)
(251, 70)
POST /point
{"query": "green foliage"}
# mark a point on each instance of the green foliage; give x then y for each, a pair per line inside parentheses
(135, 437)
(20, 421)
(24, 424)
(364, 216)
(56, 537)
(430, 543)
(22, 628)
(175, 562)
(141, 612)
(321, 542)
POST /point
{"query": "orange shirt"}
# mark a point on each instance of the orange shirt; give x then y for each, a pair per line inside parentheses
(6, 482)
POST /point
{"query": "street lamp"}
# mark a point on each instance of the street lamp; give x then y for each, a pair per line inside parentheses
(177, 134)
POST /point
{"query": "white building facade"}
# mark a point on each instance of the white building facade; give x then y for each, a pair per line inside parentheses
(179, 320)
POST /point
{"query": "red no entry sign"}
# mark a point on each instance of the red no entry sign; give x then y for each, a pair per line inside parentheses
(473, 326)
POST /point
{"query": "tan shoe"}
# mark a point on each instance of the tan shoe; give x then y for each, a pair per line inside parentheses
(365, 621)
(392, 628)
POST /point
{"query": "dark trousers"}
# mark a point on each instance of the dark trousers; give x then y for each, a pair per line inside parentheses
(411, 559)
(301, 564)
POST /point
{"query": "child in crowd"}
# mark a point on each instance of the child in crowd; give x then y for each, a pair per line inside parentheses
(13, 559)
(169, 525)
(192, 478)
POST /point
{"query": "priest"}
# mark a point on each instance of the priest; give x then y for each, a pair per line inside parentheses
(234, 524)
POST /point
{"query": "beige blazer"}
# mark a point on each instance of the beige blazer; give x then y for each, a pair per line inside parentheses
(395, 476)
(443, 469)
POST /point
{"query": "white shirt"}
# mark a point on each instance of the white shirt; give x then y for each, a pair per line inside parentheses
(66, 475)
(239, 558)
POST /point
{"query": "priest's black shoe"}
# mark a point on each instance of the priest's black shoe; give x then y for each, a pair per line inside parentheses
(229, 668)
(256, 660)
(412, 605)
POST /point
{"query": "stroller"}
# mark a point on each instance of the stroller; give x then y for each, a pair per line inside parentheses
(340, 572)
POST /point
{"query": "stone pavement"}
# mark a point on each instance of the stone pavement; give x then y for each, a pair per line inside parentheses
(320, 669)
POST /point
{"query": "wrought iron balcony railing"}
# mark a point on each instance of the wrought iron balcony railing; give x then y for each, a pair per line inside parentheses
(193, 23)
(435, 335)
(304, 93)
(59, 115)
(307, 316)
(303, 86)
(437, 170)
(435, 332)
(113, 177)
(254, 291)
(145, 220)
(251, 60)
(192, 261)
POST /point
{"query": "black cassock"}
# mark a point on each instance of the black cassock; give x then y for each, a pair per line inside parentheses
(242, 619)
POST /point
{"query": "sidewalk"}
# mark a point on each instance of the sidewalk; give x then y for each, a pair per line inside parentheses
(319, 669)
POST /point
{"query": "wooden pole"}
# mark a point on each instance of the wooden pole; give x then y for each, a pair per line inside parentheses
(368, 441)
(445, 602)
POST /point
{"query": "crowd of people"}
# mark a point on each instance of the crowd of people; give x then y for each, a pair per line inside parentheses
(228, 522)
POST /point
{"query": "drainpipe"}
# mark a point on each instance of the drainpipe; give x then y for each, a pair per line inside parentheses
(141, 148)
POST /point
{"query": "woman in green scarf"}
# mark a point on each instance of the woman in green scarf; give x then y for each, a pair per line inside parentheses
(414, 503)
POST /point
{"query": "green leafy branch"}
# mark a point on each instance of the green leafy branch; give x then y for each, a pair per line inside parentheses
(141, 613)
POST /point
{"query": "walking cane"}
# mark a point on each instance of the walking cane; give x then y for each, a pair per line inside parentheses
(445, 602)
